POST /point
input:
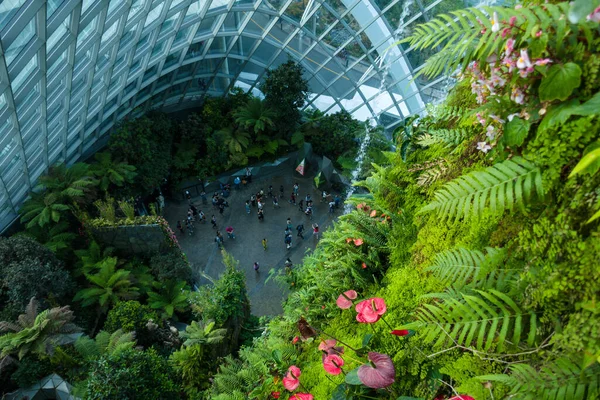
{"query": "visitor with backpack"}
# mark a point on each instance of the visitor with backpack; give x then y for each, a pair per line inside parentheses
(300, 229)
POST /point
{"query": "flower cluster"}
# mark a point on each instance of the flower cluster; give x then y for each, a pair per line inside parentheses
(357, 241)
(291, 381)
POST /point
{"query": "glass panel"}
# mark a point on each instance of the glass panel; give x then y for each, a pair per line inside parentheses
(110, 32)
(58, 34)
(86, 32)
(193, 10)
(20, 41)
(168, 24)
(86, 5)
(206, 26)
(136, 7)
(113, 5)
(52, 5)
(8, 9)
(24, 74)
(175, 3)
(181, 36)
(154, 14)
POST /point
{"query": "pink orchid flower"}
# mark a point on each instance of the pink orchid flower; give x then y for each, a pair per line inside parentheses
(333, 364)
(370, 310)
(483, 146)
(291, 381)
(543, 61)
(344, 301)
(358, 242)
(509, 47)
(523, 61)
(380, 374)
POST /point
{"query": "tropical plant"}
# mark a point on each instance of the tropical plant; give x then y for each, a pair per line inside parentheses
(202, 333)
(511, 183)
(255, 116)
(236, 140)
(104, 343)
(55, 236)
(559, 379)
(110, 172)
(108, 286)
(35, 332)
(72, 184)
(170, 297)
(42, 209)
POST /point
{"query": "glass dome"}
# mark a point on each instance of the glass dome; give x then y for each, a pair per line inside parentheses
(71, 69)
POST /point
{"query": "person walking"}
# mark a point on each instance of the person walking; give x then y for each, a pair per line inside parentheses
(307, 198)
(161, 203)
(180, 227)
(293, 199)
(288, 241)
(190, 227)
(256, 266)
(230, 233)
(337, 200)
(315, 228)
(247, 207)
(213, 221)
(301, 205)
(219, 240)
(236, 182)
(308, 212)
(300, 229)
(203, 195)
(281, 191)
(253, 200)
(324, 196)
(270, 192)
(261, 215)
(264, 243)
(296, 187)
(288, 224)
(221, 208)
(331, 206)
(201, 216)
(275, 202)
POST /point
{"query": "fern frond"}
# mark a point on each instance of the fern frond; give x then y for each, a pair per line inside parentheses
(450, 137)
(499, 187)
(466, 35)
(562, 379)
(487, 318)
(460, 266)
(430, 176)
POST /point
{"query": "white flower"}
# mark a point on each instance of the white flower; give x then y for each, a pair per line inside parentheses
(523, 61)
(511, 116)
(496, 118)
(495, 22)
(483, 146)
(491, 132)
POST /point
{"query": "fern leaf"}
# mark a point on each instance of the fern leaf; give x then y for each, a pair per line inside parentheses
(482, 320)
(561, 379)
(460, 266)
(499, 187)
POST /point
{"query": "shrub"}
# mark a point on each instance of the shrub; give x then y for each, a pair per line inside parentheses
(170, 266)
(131, 316)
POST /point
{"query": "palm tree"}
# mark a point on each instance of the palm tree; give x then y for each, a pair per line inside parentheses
(36, 333)
(236, 140)
(109, 286)
(111, 172)
(202, 333)
(255, 116)
(104, 344)
(170, 297)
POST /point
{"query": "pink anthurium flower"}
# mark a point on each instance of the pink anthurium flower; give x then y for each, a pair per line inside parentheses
(380, 374)
(462, 397)
(370, 310)
(302, 396)
(327, 344)
(295, 339)
(358, 242)
(344, 301)
(373, 213)
(594, 16)
(333, 364)
(290, 380)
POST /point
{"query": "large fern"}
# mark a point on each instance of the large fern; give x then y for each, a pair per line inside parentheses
(487, 318)
(499, 187)
(562, 379)
(460, 266)
(449, 137)
(466, 35)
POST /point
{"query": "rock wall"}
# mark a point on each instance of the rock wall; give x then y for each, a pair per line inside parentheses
(135, 239)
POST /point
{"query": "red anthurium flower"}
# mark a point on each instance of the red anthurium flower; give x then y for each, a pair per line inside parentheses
(333, 364)
(344, 301)
(327, 344)
(381, 375)
(295, 339)
(358, 242)
(370, 310)
(291, 381)
(462, 397)
(275, 395)
(373, 213)
(401, 332)
(364, 266)
(302, 396)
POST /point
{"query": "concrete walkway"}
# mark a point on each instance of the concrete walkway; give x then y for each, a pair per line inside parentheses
(202, 251)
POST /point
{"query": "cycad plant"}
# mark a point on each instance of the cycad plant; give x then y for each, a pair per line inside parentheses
(202, 333)
(255, 116)
(170, 297)
(35, 332)
(111, 172)
(104, 344)
(42, 209)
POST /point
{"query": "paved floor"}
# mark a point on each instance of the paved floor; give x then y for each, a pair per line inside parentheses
(202, 252)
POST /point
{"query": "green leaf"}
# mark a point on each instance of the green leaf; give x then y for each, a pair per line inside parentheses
(591, 159)
(352, 377)
(366, 339)
(580, 9)
(516, 131)
(560, 82)
(590, 107)
(277, 356)
(339, 393)
(559, 114)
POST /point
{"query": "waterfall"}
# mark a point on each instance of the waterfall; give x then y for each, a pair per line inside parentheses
(360, 158)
